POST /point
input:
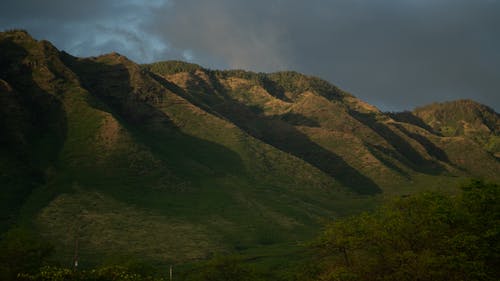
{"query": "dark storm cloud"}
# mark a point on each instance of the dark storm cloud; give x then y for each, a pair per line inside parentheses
(88, 27)
(393, 53)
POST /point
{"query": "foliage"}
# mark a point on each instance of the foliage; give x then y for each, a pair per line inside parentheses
(424, 237)
(297, 83)
(113, 273)
(171, 67)
(110, 149)
(228, 268)
(130, 263)
(21, 251)
(467, 118)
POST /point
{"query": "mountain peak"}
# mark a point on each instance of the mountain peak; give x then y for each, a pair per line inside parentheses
(21, 33)
(451, 117)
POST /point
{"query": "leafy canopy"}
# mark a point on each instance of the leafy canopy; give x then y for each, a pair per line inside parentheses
(428, 236)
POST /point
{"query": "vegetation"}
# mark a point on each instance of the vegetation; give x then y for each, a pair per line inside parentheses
(113, 273)
(464, 118)
(21, 250)
(428, 236)
(225, 269)
(172, 163)
(172, 67)
(297, 83)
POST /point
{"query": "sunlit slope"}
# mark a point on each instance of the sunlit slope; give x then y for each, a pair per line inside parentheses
(123, 155)
(464, 118)
(172, 161)
(366, 150)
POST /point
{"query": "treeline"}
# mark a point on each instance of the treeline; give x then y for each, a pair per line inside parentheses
(108, 273)
(427, 236)
(171, 67)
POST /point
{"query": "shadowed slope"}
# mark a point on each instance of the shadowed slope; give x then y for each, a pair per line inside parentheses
(131, 143)
(309, 112)
(32, 122)
(101, 149)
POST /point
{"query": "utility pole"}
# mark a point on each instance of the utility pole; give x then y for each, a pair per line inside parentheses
(170, 272)
(75, 258)
(77, 230)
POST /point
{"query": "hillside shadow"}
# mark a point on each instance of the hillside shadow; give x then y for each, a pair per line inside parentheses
(33, 128)
(136, 110)
(296, 119)
(410, 118)
(428, 145)
(200, 102)
(411, 157)
(384, 155)
(261, 79)
(283, 136)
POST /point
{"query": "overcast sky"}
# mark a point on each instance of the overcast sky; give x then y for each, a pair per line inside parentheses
(395, 54)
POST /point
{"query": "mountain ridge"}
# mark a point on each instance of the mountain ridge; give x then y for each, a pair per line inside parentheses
(227, 160)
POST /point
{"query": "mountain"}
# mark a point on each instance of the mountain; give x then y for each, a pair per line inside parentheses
(174, 162)
(464, 118)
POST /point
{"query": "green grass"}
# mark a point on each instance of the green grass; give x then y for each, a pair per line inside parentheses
(181, 174)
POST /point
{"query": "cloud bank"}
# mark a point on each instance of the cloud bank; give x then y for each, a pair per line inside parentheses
(396, 54)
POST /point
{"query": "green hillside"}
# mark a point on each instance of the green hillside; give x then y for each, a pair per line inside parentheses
(171, 162)
(464, 118)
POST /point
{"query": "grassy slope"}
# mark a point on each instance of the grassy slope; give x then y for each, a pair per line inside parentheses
(344, 137)
(138, 159)
(33, 121)
(174, 162)
(464, 118)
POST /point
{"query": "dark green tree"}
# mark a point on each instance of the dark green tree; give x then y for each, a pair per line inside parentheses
(21, 250)
(428, 236)
(226, 268)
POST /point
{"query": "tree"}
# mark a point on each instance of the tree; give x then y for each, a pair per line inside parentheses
(21, 250)
(226, 268)
(428, 236)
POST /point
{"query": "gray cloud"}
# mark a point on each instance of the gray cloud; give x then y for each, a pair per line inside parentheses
(90, 27)
(396, 54)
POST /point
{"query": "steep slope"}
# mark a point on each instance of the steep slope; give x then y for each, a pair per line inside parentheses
(464, 118)
(363, 148)
(113, 151)
(174, 162)
(32, 121)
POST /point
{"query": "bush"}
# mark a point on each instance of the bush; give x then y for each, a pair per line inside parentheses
(428, 236)
(226, 268)
(108, 273)
(21, 250)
